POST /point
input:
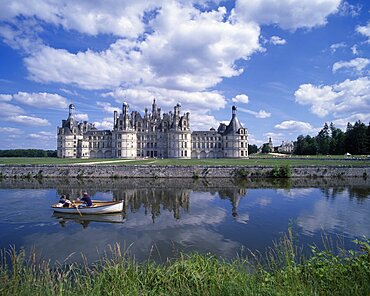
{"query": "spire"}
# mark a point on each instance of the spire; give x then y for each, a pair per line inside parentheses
(234, 124)
(71, 111)
(233, 110)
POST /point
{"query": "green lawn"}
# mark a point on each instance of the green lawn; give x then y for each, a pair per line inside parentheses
(265, 161)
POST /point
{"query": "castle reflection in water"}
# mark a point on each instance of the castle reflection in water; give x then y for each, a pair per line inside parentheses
(154, 199)
(155, 196)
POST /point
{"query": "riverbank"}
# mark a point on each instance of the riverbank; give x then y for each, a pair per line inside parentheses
(282, 271)
(181, 171)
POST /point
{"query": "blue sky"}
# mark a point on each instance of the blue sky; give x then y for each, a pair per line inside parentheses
(288, 65)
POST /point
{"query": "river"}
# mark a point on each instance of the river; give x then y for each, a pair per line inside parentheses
(162, 218)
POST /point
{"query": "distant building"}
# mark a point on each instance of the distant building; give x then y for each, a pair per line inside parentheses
(286, 147)
(266, 147)
(151, 135)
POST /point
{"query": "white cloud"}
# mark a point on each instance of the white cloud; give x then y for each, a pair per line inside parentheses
(349, 9)
(10, 130)
(105, 124)
(203, 122)
(276, 40)
(45, 136)
(342, 122)
(294, 125)
(10, 110)
(28, 120)
(6, 98)
(122, 18)
(41, 100)
(240, 99)
(364, 30)
(107, 107)
(347, 97)
(197, 55)
(354, 49)
(143, 97)
(82, 117)
(288, 14)
(37, 100)
(259, 114)
(357, 64)
(334, 47)
(276, 138)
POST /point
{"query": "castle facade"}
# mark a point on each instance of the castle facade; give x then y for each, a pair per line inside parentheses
(153, 135)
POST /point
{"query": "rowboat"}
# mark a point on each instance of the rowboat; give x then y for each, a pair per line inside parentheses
(98, 207)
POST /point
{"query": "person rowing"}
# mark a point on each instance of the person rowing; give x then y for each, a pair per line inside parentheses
(86, 199)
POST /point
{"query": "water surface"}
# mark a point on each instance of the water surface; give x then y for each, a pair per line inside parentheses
(164, 217)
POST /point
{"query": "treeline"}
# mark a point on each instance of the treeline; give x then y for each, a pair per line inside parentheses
(28, 153)
(332, 140)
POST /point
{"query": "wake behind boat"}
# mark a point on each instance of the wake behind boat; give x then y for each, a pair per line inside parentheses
(98, 207)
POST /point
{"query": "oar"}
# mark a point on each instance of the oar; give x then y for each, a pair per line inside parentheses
(78, 211)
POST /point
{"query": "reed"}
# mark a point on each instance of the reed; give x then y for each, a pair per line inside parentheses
(282, 270)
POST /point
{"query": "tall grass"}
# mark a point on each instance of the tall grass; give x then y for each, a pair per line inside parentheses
(282, 270)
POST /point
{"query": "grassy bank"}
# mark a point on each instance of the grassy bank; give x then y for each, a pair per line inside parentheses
(253, 161)
(282, 271)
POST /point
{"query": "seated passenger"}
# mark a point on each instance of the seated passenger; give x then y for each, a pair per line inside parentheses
(86, 199)
(61, 201)
(67, 202)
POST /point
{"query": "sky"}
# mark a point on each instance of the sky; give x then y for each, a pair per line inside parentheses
(288, 65)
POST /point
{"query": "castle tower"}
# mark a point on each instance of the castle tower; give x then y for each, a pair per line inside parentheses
(235, 138)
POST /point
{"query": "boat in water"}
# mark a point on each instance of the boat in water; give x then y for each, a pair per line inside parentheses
(98, 207)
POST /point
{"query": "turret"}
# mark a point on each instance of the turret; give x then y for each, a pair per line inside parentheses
(115, 119)
(71, 111)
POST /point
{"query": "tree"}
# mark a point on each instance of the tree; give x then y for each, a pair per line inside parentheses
(266, 148)
(252, 149)
(323, 140)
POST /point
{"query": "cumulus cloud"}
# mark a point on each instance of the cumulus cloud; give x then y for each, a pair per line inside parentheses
(334, 47)
(294, 125)
(143, 97)
(347, 97)
(288, 14)
(45, 136)
(203, 122)
(105, 124)
(342, 122)
(37, 100)
(10, 130)
(357, 65)
(354, 49)
(259, 114)
(276, 40)
(82, 117)
(121, 18)
(107, 107)
(364, 30)
(349, 9)
(240, 99)
(197, 55)
(7, 109)
(5, 98)
(28, 120)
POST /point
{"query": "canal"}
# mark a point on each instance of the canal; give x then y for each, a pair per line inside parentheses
(163, 218)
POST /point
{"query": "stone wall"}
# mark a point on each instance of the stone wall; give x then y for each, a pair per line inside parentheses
(148, 171)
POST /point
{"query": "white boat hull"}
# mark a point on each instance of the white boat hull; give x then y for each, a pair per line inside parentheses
(97, 208)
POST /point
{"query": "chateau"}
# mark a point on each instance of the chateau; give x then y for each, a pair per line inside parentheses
(153, 135)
